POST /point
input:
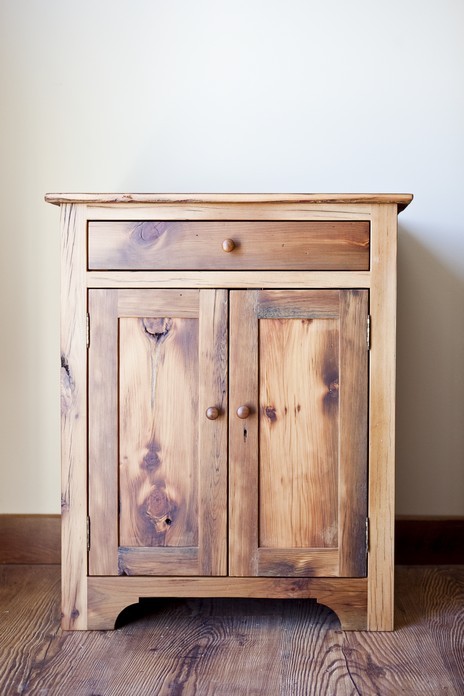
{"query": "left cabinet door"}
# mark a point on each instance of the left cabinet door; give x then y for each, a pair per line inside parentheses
(157, 459)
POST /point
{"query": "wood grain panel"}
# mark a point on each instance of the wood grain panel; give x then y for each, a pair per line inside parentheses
(229, 279)
(213, 434)
(144, 377)
(353, 432)
(73, 418)
(298, 414)
(295, 304)
(169, 560)
(243, 435)
(158, 475)
(103, 432)
(165, 245)
(266, 200)
(137, 303)
(274, 562)
(109, 596)
(382, 419)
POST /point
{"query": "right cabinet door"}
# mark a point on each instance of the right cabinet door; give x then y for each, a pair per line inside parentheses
(298, 460)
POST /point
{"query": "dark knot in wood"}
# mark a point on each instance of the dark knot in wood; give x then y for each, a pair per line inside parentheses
(270, 412)
(157, 329)
(146, 233)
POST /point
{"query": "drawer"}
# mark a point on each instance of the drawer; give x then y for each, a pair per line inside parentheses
(228, 245)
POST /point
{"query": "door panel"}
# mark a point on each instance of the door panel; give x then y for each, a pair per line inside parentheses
(161, 461)
(299, 361)
(158, 460)
(298, 433)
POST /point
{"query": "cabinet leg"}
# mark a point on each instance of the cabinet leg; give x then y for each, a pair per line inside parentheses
(351, 618)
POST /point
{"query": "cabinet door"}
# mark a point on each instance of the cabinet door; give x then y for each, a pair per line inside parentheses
(157, 464)
(298, 462)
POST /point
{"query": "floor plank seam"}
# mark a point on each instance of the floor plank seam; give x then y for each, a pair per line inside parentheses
(349, 671)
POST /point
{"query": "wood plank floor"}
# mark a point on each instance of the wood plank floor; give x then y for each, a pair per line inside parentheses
(233, 647)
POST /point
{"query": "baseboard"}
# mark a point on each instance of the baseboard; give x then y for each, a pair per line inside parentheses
(429, 540)
(34, 539)
(30, 539)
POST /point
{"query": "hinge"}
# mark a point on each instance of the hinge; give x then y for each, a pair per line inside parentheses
(88, 533)
(367, 535)
(368, 332)
(88, 329)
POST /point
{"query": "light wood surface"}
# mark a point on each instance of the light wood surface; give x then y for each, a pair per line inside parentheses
(73, 418)
(382, 419)
(103, 431)
(401, 199)
(229, 279)
(135, 303)
(158, 416)
(246, 209)
(243, 435)
(148, 412)
(310, 464)
(164, 245)
(298, 435)
(212, 435)
(322, 524)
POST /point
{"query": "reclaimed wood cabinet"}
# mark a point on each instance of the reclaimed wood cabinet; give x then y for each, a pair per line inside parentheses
(228, 382)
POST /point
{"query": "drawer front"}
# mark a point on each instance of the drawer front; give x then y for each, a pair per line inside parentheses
(217, 245)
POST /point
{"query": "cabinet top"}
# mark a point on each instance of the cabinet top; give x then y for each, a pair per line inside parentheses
(401, 199)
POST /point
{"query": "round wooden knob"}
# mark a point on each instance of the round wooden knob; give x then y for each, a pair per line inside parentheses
(228, 245)
(243, 412)
(212, 413)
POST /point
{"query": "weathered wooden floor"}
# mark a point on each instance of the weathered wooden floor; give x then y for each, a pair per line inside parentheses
(233, 647)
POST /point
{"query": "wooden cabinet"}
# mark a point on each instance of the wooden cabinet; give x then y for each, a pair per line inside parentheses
(228, 424)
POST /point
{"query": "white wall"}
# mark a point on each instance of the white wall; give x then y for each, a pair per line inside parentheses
(256, 95)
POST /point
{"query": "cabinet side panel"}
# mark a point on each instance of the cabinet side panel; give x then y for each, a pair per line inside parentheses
(382, 418)
(353, 432)
(73, 418)
(103, 432)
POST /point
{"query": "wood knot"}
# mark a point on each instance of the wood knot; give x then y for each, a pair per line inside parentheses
(157, 328)
(146, 233)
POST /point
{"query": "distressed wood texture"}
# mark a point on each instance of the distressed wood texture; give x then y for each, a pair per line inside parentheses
(229, 279)
(109, 596)
(165, 245)
(243, 435)
(298, 434)
(259, 472)
(158, 417)
(382, 418)
(103, 431)
(233, 647)
(147, 350)
(73, 418)
(265, 200)
(310, 462)
(353, 438)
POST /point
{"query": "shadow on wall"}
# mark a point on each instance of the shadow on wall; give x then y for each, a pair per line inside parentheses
(430, 383)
